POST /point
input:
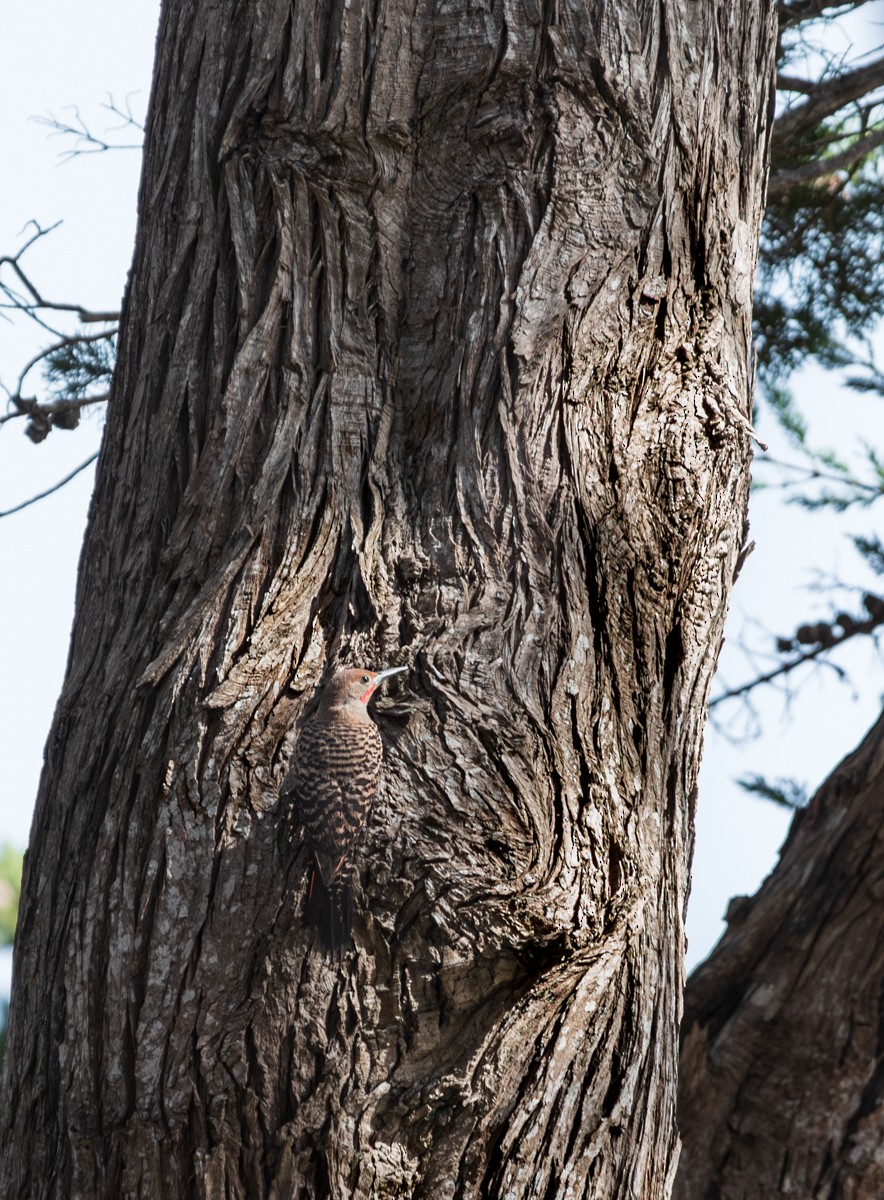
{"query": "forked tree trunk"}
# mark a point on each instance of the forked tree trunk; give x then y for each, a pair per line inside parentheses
(436, 352)
(782, 1090)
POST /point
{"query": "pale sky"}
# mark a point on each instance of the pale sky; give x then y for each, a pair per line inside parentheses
(52, 56)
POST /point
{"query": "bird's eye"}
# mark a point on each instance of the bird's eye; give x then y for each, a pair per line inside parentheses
(366, 679)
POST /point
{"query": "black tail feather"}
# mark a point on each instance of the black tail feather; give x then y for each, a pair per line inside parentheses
(330, 911)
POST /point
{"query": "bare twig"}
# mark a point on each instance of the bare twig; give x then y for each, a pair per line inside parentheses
(812, 474)
(769, 676)
(33, 303)
(85, 141)
(821, 638)
(55, 487)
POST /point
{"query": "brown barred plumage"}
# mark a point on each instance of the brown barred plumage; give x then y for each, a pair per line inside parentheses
(333, 782)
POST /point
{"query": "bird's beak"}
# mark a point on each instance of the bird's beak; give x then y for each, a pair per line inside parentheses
(382, 675)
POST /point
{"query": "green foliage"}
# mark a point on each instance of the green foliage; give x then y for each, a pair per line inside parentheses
(783, 403)
(10, 890)
(820, 282)
(76, 366)
(872, 551)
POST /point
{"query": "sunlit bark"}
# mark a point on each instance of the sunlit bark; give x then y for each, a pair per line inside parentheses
(436, 352)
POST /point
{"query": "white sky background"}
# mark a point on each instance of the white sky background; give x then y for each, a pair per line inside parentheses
(51, 57)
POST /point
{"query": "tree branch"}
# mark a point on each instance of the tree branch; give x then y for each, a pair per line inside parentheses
(812, 474)
(75, 339)
(85, 141)
(826, 639)
(826, 98)
(759, 680)
(781, 1063)
(34, 303)
(48, 413)
(55, 487)
(800, 11)
(791, 83)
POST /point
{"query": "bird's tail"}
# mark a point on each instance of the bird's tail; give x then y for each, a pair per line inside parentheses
(330, 910)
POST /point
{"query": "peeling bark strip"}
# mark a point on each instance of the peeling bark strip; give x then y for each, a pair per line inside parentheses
(436, 346)
(782, 1062)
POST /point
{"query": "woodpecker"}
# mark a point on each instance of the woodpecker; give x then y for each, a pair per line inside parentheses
(332, 783)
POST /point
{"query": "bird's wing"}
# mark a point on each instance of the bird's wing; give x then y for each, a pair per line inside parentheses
(333, 783)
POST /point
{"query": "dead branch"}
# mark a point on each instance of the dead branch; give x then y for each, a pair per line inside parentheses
(55, 487)
(85, 140)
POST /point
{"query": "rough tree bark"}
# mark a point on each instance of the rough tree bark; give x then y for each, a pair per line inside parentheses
(436, 352)
(782, 1087)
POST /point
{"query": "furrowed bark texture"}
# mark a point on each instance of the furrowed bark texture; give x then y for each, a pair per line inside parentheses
(782, 1064)
(436, 352)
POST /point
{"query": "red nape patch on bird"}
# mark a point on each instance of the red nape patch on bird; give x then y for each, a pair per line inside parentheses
(366, 696)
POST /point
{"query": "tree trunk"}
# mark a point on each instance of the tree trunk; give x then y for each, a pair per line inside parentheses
(782, 1088)
(436, 352)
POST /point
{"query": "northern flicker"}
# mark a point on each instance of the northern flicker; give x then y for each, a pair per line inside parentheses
(333, 782)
